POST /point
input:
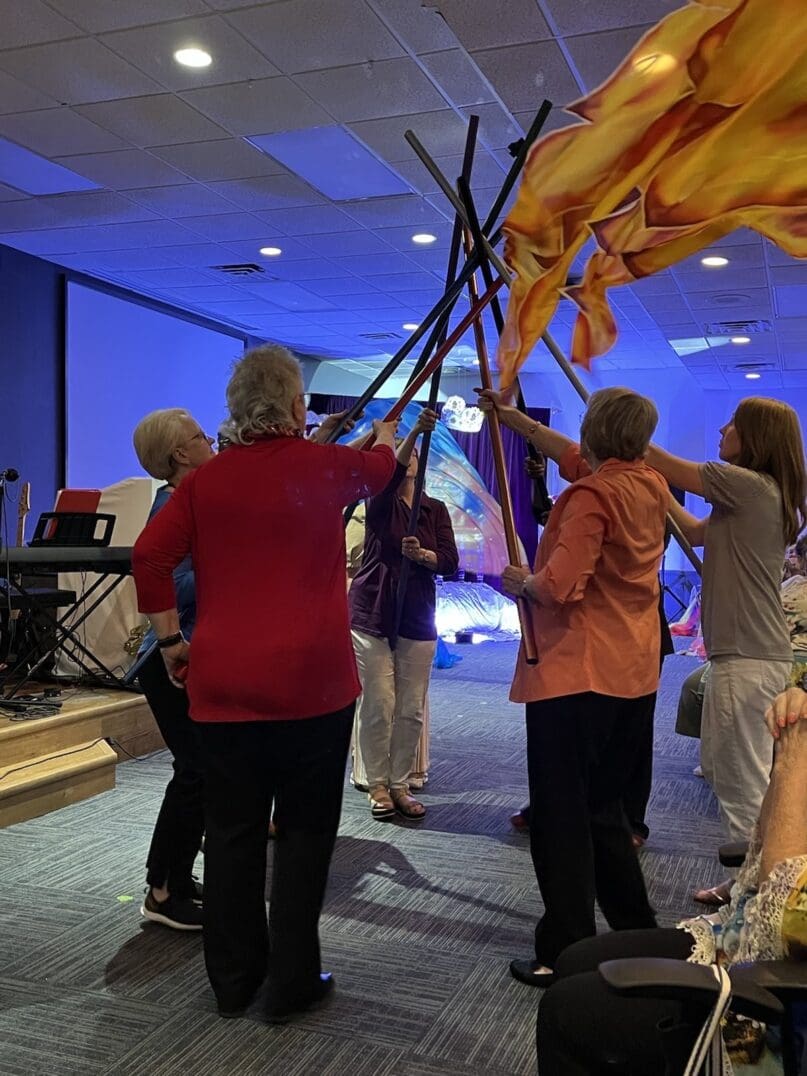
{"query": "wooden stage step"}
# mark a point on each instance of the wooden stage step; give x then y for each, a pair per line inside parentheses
(49, 762)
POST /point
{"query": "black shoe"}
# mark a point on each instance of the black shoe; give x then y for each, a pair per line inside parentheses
(284, 1011)
(198, 892)
(175, 913)
(531, 972)
(238, 1005)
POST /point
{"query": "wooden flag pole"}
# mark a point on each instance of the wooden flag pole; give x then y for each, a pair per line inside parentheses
(497, 445)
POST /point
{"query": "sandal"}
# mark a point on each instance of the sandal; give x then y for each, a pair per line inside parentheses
(407, 805)
(381, 805)
(716, 897)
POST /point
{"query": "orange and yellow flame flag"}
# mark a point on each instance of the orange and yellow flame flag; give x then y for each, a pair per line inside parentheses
(702, 130)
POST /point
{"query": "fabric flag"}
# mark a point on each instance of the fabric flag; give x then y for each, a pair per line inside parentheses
(702, 130)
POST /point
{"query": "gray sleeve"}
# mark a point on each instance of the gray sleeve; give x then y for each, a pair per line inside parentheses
(729, 486)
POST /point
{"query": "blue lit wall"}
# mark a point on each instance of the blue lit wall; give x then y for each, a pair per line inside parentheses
(123, 360)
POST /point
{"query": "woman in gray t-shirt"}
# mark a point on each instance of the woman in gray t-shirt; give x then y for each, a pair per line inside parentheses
(757, 495)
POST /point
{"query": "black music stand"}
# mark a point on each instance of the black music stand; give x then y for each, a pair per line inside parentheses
(59, 530)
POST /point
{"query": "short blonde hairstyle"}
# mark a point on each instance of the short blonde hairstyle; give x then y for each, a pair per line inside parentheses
(156, 438)
(261, 392)
(618, 424)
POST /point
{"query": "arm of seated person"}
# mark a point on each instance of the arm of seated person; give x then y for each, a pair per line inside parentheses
(783, 820)
(693, 529)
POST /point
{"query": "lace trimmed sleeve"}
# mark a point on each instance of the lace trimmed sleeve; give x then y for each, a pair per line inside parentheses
(762, 938)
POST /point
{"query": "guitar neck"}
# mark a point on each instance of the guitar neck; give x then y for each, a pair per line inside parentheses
(23, 509)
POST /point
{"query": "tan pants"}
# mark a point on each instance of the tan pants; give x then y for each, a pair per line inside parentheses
(390, 712)
(422, 759)
(736, 747)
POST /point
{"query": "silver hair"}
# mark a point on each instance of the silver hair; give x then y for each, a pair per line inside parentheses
(261, 392)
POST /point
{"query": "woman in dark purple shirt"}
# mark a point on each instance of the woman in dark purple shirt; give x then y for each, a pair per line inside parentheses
(389, 716)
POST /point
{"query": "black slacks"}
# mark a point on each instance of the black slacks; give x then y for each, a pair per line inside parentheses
(300, 765)
(579, 749)
(180, 823)
(584, 1029)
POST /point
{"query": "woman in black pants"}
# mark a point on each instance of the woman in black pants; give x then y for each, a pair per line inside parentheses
(170, 444)
(584, 1028)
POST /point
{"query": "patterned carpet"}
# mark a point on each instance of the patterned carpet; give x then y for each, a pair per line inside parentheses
(419, 926)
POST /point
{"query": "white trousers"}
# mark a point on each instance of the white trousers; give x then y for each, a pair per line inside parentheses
(736, 747)
(389, 714)
(420, 767)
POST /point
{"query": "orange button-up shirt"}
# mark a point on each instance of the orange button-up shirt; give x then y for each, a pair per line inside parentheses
(596, 619)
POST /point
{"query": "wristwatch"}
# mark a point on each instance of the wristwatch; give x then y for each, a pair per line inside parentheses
(170, 640)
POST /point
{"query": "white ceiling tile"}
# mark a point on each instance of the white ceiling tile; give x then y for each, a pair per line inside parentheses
(597, 56)
(309, 220)
(15, 96)
(226, 226)
(77, 72)
(657, 284)
(260, 107)
(776, 256)
(242, 308)
(525, 74)
(268, 192)
(225, 158)
(791, 274)
(347, 243)
(58, 131)
(156, 120)
(110, 237)
(300, 36)
(406, 282)
(701, 279)
(402, 210)
(459, 77)
(204, 292)
(791, 300)
(748, 255)
(123, 169)
(308, 269)
(401, 238)
(556, 119)
(442, 133)
(373, 300)
(70, 210)
(487, 172)
(233, 5)
(125, 260)
(8, 194)
(152, 48)
(98, 16)
(422, 27)
(748, 298)
(366, 92)
(373, 264)
(199, 255)
(297, 253)
(339, 286)
(189, 200)
(30, 22)
(585, 16)
(496, 129)
(480, 24)
(167, 278)
(289, 296)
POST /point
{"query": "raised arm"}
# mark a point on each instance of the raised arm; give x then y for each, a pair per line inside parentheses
(693, 529)
(685, 474)
(783, 821)
(546, 440)
(426, 422)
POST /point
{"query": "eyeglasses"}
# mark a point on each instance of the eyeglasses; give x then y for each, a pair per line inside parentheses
(201, 435)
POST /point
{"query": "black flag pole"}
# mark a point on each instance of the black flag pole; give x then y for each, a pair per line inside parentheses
(434, 390)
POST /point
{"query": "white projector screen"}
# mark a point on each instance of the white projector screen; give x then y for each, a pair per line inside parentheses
(123, 360)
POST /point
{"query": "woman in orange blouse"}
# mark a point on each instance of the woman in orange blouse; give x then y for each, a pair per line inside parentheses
(593, 599)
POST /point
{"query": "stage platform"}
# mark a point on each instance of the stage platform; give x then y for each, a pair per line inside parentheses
(49, 762)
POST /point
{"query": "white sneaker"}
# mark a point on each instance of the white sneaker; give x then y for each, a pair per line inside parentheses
(698, 771)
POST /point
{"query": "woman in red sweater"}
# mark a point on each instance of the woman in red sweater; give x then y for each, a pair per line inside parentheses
(271, 675)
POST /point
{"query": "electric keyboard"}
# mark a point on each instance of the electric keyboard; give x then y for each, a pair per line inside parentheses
(49, 559)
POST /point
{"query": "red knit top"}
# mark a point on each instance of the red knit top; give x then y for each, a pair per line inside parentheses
(263, 524)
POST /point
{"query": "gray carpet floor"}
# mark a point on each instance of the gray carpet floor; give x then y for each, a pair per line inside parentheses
(419, 926)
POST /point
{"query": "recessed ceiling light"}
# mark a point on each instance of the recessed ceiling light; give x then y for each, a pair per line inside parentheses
(410, 326)
(193, 58)
(270, 252)
(753, 377)
(714, 261)
(741, 339)
(424, 238)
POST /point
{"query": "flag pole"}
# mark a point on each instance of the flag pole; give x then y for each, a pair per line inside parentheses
(423, 457)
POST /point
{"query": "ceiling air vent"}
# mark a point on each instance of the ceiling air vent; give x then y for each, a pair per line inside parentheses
(246, 269)
(737, 328)
(751, 365)
(380, 336)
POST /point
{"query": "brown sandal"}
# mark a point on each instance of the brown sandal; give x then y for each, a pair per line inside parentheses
(381, 804)
(407, 805)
